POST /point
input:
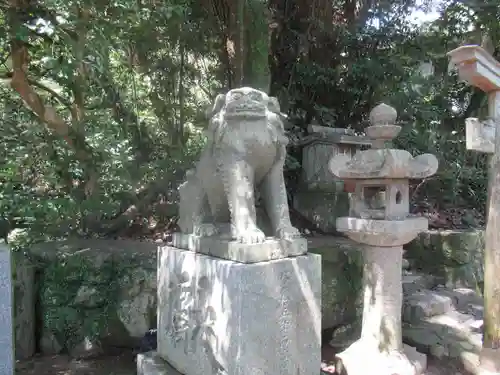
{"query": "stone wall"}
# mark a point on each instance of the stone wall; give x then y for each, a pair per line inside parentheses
(341, 274)
(455, 256)
(95, 294)
(91, 294)
(23, 276)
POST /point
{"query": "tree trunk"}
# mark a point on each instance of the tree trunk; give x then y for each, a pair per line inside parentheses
(243, 32)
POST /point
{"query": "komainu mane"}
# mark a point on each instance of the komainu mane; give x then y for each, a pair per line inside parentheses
(246, 150)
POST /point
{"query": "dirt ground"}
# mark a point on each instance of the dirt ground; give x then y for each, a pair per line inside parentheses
(119, 364)
(124, 364)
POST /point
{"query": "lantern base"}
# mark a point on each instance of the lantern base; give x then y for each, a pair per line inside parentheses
(364, 357)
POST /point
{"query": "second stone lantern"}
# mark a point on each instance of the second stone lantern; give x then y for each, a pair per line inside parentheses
(379, 217)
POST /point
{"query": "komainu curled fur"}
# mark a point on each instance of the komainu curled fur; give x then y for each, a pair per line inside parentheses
(245, 152)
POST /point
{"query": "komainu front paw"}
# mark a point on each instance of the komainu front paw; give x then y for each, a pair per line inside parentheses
(205, 230)
(248, 235)
(288, 233)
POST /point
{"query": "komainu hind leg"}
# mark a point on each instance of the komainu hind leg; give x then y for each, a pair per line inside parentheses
(191, 201)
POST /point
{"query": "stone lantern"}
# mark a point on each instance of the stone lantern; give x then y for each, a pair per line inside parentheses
(379, 218)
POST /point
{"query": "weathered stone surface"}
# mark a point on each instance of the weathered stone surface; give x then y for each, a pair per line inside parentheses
(424, 304)
(361, 358)
(151, 363)
(456, 332)
(246, 151)
(90, 282)
(218, 316)
(455, 256)
(384, 163)
(49, 344)
(383, 233)
(23, 274)
(87, 348)
(476, 66)
(341, 273)
(414, 282)
(270, 249)
(379, 218)
(480, 135)
(326, 130)
(95, 292)
(322, 207)
(321, 197)
(316, 153)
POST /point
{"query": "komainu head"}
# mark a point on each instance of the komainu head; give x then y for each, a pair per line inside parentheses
(244, 103)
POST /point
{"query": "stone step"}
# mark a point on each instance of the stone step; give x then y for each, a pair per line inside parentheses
(464, 299)
(414, 281)
(425, 304)
(453, 334)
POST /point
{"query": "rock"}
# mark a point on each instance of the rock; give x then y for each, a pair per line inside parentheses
(138, 302)
(414, 282)
(86, 349)
(438, 351)
(450, 331)
(406, 264)
(462, 297)
(345, 335)
(455, 255)
(466, 297)
(97, 291)
(49, 344)
(470, 361)
(341, 296)
(88, 297)
(425, 304)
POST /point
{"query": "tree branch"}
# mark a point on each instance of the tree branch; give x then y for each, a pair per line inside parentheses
(43, 87)
(48, 115)
(59, 97)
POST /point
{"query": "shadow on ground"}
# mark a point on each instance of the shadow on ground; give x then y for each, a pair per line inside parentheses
(435, 366)
(124, 364)
(119, 364)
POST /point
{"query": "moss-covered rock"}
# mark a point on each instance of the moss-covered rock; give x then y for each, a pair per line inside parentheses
(23, 276)
(456, 256)
(342, 272)
(94, 291)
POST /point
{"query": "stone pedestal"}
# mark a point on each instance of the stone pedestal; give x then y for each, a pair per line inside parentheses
(270, 249)
(218, 316)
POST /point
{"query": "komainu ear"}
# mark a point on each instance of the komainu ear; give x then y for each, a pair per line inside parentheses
(273, 105)
(219, 102)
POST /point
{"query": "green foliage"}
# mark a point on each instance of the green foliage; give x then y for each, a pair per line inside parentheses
(130, 82)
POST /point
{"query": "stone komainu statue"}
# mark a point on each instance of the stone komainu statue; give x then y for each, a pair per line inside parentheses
(245, 151)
